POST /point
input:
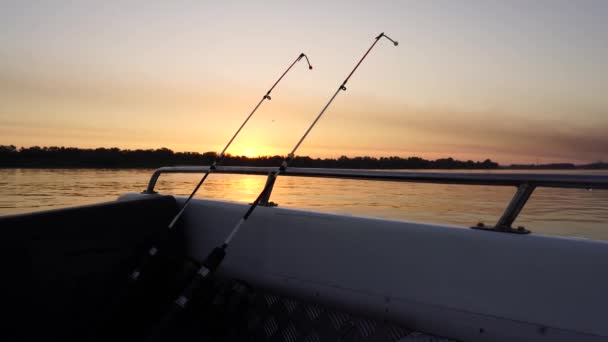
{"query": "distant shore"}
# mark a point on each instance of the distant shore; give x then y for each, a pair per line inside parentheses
(115, 158)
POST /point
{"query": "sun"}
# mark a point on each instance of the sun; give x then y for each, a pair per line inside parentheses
(247, 151)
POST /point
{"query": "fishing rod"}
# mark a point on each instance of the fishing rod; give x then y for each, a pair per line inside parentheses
(218, 159)
(214, 259)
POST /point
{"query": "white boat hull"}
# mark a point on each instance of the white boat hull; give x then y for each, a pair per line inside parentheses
(464, 284)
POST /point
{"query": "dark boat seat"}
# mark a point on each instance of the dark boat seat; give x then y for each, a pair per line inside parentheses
(64, 267)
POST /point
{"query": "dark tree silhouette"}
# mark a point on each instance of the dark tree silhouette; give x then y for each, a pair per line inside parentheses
(71, 157)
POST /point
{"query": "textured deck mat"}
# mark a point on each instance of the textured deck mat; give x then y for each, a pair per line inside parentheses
(241, 313)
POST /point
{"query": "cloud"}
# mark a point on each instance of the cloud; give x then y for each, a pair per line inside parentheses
(500, 134)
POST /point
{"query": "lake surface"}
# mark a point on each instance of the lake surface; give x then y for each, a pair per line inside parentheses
(565, 212)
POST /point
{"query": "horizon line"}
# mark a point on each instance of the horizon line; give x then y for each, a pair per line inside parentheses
(481, 160)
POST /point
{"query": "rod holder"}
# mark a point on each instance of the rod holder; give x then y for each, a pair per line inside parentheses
(265, 200)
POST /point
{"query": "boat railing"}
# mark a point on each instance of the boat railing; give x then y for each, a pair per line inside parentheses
(525, 183)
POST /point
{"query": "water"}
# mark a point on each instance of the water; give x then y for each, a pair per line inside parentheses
(565, 212)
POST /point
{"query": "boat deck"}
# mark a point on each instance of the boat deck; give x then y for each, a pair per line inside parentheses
(238, 312)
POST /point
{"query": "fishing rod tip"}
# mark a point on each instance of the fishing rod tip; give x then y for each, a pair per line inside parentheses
(387, 37)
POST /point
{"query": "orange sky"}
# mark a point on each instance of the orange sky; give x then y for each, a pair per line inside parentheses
(517, 82)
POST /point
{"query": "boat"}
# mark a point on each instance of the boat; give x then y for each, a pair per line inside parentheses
(300, 275)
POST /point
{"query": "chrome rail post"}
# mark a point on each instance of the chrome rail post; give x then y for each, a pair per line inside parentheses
(152, 183)
(519, 200)
(521, 197)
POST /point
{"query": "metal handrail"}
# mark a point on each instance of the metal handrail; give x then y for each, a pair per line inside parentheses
(526, 183)
(539, 180)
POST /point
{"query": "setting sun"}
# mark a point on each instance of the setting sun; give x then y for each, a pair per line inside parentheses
(246, 151)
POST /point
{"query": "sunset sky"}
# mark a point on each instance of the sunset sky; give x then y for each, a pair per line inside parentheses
(514, 81)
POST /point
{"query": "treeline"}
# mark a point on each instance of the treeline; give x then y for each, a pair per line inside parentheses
(71, 157)
(561, 166)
